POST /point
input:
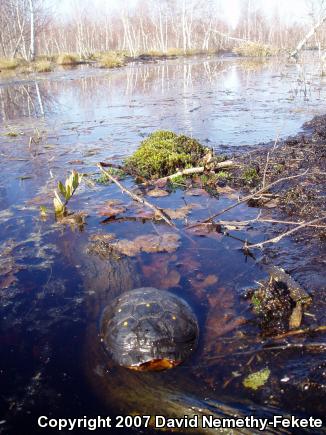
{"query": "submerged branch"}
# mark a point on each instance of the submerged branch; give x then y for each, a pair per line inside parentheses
(246, 198)
(137, 198)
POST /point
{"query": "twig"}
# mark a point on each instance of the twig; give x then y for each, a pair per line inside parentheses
(275, 221)
(124, 169)
(272, 348)
(267, 157)
(281, 236)
(198, 170)
(137, 198)
(300, 332)
(246, 198)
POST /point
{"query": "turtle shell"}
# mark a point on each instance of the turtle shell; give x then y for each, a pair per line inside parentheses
(149, 329)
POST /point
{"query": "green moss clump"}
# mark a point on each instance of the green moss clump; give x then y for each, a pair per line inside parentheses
(164, 153)
(250, 176)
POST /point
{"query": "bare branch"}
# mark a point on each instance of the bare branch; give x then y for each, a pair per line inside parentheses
(137, 198)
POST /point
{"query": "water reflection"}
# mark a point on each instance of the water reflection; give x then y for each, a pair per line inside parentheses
(25, 100)
(221, 101)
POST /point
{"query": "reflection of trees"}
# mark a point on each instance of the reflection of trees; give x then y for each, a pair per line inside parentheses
(25, 100)
(147, 79)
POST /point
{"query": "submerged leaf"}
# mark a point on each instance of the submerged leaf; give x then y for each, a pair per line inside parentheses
(149, 243)
(196, 191)
(179, 213)
(156, 193)
(257, 379)
(111, 208)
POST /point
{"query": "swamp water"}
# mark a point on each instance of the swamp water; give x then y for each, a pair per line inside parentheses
(51, 296)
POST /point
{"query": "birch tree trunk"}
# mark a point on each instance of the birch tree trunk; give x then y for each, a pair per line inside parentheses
(303, 42)
(32, 43)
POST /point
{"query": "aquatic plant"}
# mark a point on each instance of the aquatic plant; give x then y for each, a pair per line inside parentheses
(65, 192)
(164, 152)
(67, 59)
(250, 176)
(257, 379)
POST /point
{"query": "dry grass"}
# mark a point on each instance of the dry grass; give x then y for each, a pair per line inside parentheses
(41, 66)
(255, 49)
(67, 59)
(111, 59)
(9, 64)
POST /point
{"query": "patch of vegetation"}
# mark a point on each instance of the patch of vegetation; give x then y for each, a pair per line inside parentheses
(255, 49)
(154, 53)
(223, 175)
(67, 59)
(257, 379)
(250, 176)
(164, 152)
(9, 64)
(111, 59)
(12, 133)
(43, 66)
(65, 191)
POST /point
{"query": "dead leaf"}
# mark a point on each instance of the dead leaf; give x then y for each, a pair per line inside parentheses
(161, 183)
(179, 213)
(149, 243)
(76, 162)
(156, 193)
(227, 191)
(111, 208)
(196, 191)
(206, 230)
(108, 237)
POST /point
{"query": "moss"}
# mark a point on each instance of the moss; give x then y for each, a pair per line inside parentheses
(223, 175)
(250, 176)
(164, 152)
(67, 59)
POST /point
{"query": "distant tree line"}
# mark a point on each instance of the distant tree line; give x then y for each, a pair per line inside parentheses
(28, 27)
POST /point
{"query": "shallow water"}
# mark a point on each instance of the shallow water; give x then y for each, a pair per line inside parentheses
(75, 118)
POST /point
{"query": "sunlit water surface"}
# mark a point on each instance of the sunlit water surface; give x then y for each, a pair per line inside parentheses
(74, 118)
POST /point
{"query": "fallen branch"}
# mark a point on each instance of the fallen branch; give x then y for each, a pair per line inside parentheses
(281, 236)
(303, 42)
(137, 198)
(198, 170)
(124, 169)
(300, 332)
(233, 38)
(246, 198)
